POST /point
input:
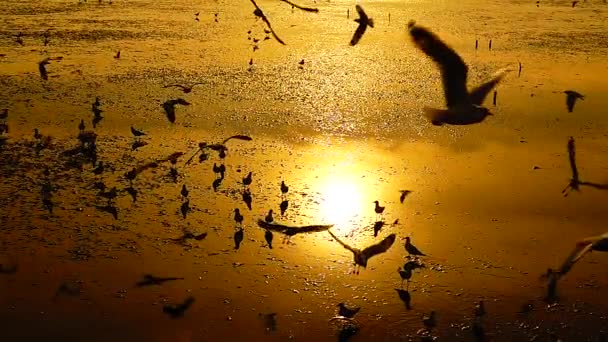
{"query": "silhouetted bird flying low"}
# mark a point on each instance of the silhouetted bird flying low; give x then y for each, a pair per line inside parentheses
(411, 249)
(149, 280)
(463, 107)
(347, 312)
(176, 311)
(169, 107)
(136, 132)
(571, 97)
(361, 257)
(184, 88)
(364, 21)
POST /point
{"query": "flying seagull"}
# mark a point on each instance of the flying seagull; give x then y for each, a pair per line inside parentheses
(571, 97)
(364, 21)
(186, 89)
(362, 256)
(594, 243)
(169, 107)
(463, 107)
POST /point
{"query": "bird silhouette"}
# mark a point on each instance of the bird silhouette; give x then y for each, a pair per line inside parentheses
(220, 147)
(405, 297)
(361, 257)
(238, 218)
(238, 238)
(136, 132)
(268, 237)
(347, 312)
(149, 280)
(405, 274)
(463, 107)
(184, 191)
(284, 188)
(137, 144)
(247, 198)
(269, 217)
(178, 310)
(378, 209)
(404, 194)
(364, 21)
(185, 208)
(169, 107)
(247, 180)
(594, 243)
(117, 56)
(411, 249)
(186, 89)
(571, 97)
(42, 68)
(283, 206)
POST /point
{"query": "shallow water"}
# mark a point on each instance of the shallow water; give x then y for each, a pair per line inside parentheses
(343, 130)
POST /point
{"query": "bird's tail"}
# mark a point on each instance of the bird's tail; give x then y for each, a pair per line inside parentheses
(370, 22)
(436, 116)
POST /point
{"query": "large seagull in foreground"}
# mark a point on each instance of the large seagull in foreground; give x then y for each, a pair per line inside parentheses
(464, 107)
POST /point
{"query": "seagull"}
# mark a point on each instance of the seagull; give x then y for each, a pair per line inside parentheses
(284, 188)
(268, 217)
(136, 132)
(405, 297)
(571, 97)
(362, 256)
(595, 243)
(463, 107)
(117, 56)
(411, 249)
(363, 21)
(186, 89)
(176, 311)
(378, 209)
(221, 147)
(404, 193)
(169, 107)
(42, 68)
(347, 312)
(247, 180)
(149, 280)
(268, 237)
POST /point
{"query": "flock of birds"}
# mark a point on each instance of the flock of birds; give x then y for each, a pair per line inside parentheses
(464, 107)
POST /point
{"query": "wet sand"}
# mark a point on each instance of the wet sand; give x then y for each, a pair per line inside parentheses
(343, 131)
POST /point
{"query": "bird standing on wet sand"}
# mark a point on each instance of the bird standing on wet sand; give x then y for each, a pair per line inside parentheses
(117, 56)
(247, 180)
(463, 107)
(169, 107)
(184, 88)
(347, 312)
(411, 249)
(404, 194)
(363, 21)
(238, 218)
(378, 209)
(137, 133)
(268, 236)
(238, 238)
(405, 274)
(176, 311)
(269, 217)
(571, 97)
(184, 191)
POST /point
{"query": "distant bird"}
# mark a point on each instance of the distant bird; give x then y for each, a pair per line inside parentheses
(136, 132)
(405, 297)
(284, 188)
(247, 180)
(169, 107)
(185, 191)
(268, 237)
(430, 321)
(571, 97)
(361, 257)
(137, 144)
(574, 3)
(149, 280)
(37, 134)
(133, 192)
(117, 56)
(238, 218)
(268, 217)
(411, 249)
(99, 169)
(404, 194)
(185, 208)
(216, 183)
(463, 107)
(283, 206)
(363, 21)
(238, 238)
(378, 209)
(42, 68)
(81, 126)
(301, 62)
(178, 310)
(347, 312)
(186, 89)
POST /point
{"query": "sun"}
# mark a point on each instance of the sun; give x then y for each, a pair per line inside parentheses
(342, 202)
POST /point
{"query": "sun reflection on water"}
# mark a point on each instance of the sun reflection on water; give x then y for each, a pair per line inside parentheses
(342, 201)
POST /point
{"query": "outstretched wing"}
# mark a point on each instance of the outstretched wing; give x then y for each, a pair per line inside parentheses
(354, 250)
(452, 67)
(479, 94)
(307, 9)
(261, 14)
(362, 16)
(578, 252)
(358, 33)
(571, 156)
(380, 247)
(238, 136)
(175, 85)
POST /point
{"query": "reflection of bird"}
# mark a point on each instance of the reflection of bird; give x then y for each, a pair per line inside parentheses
(186, 89)
(185, 208)
(347, 312)
(411, 249)
(404, 295)
(238, 238)
(463, 107)
(363, 21)
(429, 321)
(571, 97)
(269, 217)
(136, 132)
(575, 181)
(149, 280)
(268, 237)
(185, 191)
(283, 207)
(362, 256)
(176, 311)
(404, 193)
(169, 107)
(247, 198)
